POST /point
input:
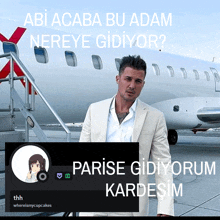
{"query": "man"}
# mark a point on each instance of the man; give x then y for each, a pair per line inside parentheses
(124, 118)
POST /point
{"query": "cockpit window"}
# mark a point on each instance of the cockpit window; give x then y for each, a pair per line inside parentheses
(207, 75)
(97, 62)
(10, 47)
(216, 75)
(41, 54)
(70, 58)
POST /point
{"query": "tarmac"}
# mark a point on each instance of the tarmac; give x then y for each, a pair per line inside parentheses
(196, 154)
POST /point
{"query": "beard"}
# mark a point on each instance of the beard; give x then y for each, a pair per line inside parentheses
(127, 97)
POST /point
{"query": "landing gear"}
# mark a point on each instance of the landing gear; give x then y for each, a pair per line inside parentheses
(172, 137)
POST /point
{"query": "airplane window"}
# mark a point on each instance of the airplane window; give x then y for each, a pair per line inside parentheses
(184, 72)
(117, 63)
(171, 71)
(41, 54)
(97, 62)
(156, 69)
(10, 47)
(70, 58)
(215, 73)
(196, 74)
(207, 75)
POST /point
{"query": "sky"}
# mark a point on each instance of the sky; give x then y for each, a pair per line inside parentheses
(194, 31)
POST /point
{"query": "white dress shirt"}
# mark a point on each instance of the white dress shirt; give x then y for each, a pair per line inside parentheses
(117, 132)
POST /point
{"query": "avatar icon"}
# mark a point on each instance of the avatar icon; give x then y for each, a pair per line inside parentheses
(28, 161)
(36, 163)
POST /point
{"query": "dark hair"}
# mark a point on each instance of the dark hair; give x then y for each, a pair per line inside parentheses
(134, 62)
(35, 158)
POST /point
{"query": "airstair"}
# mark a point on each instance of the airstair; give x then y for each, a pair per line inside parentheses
(26, 106)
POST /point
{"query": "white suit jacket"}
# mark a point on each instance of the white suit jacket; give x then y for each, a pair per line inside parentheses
(151, 132)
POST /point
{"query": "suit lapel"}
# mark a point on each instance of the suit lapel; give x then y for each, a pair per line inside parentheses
(141, 112)
(103, 117)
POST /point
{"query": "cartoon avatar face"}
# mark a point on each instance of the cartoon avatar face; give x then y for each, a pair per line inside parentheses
(36, 163)
(35, 167)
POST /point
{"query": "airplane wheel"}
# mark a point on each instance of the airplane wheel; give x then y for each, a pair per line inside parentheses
(172, 137)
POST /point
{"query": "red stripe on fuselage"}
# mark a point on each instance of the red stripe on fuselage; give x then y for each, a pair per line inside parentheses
(5, 71)
(19, 72)
(16, 36)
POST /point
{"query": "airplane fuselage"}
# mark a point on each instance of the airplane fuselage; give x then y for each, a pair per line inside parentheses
(176, 85)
